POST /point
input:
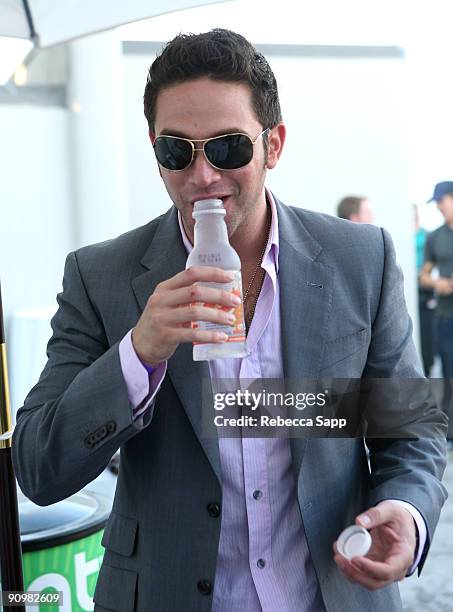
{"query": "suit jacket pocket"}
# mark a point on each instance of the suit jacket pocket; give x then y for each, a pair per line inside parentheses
(120, 534)
(344, 347)
(115, 589)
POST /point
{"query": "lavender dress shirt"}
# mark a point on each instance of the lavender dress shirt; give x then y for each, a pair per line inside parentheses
(264, 563)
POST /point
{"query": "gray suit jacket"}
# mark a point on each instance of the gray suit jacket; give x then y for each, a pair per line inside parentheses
(343, 315)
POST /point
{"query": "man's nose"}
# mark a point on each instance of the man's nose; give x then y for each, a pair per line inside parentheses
(201, 171)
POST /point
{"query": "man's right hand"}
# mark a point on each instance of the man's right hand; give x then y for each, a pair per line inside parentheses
(443, 286)
(166, 320)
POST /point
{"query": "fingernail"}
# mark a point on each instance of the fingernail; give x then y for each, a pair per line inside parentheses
(235, 299)
(230, 275)
(364, 519)
(222, 337)
(231, 318)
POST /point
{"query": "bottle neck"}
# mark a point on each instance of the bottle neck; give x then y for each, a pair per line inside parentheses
(210, 227)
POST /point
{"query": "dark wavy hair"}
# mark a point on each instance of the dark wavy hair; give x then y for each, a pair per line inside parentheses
(221, 55)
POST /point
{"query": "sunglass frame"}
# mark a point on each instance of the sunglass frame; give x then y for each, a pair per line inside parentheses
(204, 141)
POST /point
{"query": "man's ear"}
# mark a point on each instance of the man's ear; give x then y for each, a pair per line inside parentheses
(276, 141)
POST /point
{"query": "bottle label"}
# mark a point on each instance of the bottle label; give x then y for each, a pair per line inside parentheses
(235, 333)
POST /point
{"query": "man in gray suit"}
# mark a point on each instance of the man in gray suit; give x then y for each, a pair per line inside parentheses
(228, 524)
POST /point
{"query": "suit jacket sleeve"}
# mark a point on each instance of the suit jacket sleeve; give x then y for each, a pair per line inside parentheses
(78, 414)
(409, 470)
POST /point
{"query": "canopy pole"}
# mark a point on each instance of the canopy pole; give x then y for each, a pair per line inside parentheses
(11, 573)
(31, 25)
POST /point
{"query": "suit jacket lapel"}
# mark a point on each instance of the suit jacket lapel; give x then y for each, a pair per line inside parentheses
(165, 257)
(305, 304)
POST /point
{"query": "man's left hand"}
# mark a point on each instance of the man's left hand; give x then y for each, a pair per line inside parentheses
(393, 533)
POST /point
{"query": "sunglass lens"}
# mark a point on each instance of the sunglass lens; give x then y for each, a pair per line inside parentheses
(229, 152)
(173, 153)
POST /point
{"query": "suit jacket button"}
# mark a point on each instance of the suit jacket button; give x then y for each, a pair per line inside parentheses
(213, 509)
(205, 587)
(111, 426)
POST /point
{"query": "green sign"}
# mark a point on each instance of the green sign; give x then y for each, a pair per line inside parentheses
(71, 568)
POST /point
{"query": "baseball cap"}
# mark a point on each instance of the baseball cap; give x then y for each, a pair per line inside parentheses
(441, 190)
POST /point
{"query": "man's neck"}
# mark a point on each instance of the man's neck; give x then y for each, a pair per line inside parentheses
(250, 241)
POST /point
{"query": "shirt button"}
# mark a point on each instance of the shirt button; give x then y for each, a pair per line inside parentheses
(261, 563)
(213, 509)
(204, 587)
(257, 494)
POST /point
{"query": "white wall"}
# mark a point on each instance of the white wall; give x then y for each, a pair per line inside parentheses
(36, 226)
(147, 196)
(96, 138)
(35, 204)
(347, 135)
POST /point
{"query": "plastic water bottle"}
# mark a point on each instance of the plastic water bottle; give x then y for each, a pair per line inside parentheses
(212, 248)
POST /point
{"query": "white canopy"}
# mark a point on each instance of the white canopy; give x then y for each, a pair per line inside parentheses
(56, 21)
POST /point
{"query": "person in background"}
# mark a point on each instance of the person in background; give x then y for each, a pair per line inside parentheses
(426, 300)
(355, 208)
(439, 254)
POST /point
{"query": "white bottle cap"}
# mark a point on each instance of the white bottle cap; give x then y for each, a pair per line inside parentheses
(354, 541)
(213, 205)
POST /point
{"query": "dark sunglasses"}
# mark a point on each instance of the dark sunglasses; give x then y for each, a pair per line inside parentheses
(226, 152)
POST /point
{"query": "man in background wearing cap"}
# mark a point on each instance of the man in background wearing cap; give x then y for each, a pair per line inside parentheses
(439, 254)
